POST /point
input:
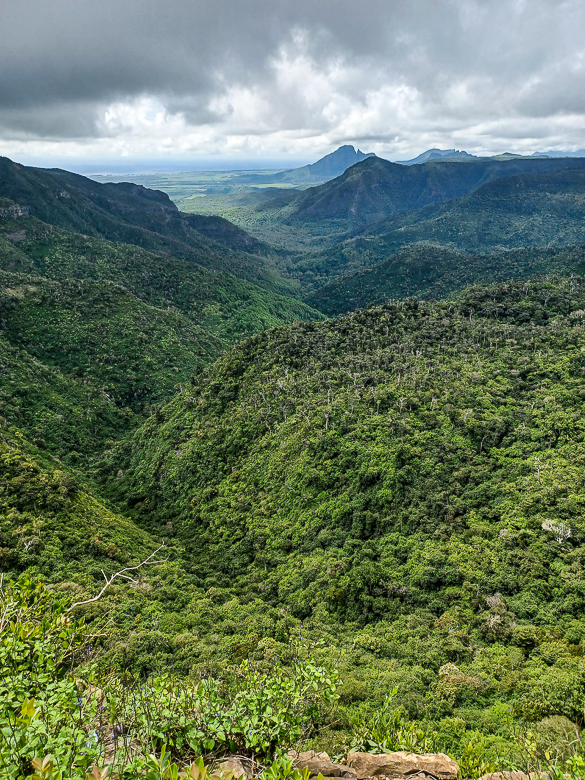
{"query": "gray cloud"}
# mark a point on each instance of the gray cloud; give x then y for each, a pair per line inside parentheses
(397, 73)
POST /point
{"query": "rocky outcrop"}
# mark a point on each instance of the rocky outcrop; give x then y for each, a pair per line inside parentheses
(17, 237)
(13, 212)
(401, 764)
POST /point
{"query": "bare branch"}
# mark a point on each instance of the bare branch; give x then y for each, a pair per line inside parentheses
(121, 574)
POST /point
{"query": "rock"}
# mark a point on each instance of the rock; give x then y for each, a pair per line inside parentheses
(308, 755)
(401, 764)
(507, 776)
(236, 765)
(320, 763)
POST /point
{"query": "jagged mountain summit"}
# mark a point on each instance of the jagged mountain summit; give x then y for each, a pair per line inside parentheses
(325, 169)
(337, 162)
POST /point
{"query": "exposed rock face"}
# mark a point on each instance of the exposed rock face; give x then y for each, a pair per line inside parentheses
(13, 212)
(401, 764)
(17, 237)
(320, 763)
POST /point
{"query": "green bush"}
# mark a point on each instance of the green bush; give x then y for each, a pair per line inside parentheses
(41, 709)
(388, 731)
(52, 707)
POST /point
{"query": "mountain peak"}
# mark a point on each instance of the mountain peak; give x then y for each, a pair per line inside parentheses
(328, 167)
(337, 162)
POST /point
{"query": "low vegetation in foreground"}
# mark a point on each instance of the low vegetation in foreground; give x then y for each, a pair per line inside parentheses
(63, 718)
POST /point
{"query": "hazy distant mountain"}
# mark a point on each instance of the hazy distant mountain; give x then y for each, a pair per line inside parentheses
(531, 209)
(438, 154)
(514, 227)
(578, 153)
(328, 167)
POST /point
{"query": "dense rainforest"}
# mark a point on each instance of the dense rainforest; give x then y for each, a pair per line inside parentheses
(375, 519)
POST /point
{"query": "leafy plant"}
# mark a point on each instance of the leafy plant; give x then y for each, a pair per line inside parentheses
(40, 706)
(473, 762)
(255, 713)
(389, 731)
(283, 769)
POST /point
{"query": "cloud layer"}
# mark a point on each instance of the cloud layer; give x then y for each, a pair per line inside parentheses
(194, 79)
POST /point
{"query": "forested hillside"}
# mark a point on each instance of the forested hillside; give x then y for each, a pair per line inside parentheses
(374, 189)
(131, 214)
(411, 474)
(52, 525)
(439, 249)
(431, 271)
(410, 419)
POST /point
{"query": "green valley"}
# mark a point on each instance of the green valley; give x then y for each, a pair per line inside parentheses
(311, 480)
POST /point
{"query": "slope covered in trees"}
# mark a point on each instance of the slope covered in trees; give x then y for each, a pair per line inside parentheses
(374, 189)
(406, 480)
(224, 305)
(441, 248)
(382, 407)
(524, 210)
(431, 271)
(132, 214)
(98, 331)
(52, 525)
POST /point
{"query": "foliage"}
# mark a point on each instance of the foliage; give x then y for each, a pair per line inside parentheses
(128, 214)
(385, 478)
(52, 525)
(77, 719)
(400, 488)
(99, 333)
(282, 769)
(388, 731)
(252, 713)
(372, 274)
(215, 297)
(41, 709)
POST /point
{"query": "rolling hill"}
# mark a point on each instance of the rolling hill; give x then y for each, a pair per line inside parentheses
(431, 271)
(534, 209)
(512, 227)
(401, 486)
(227, 306)
(315, 464)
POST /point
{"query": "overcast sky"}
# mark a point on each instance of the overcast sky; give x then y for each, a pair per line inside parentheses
(269, 80)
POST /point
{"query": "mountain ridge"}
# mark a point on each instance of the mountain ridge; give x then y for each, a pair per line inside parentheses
(375, 188)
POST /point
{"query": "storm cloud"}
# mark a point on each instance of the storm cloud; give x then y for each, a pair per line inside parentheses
(276, 78)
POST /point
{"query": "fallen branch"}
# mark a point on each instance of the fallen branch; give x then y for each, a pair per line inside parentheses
(122, 574)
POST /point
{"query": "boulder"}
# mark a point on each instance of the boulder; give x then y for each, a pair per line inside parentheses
(508, 776)
(401, 764)
(320, 763)
(235, 765)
